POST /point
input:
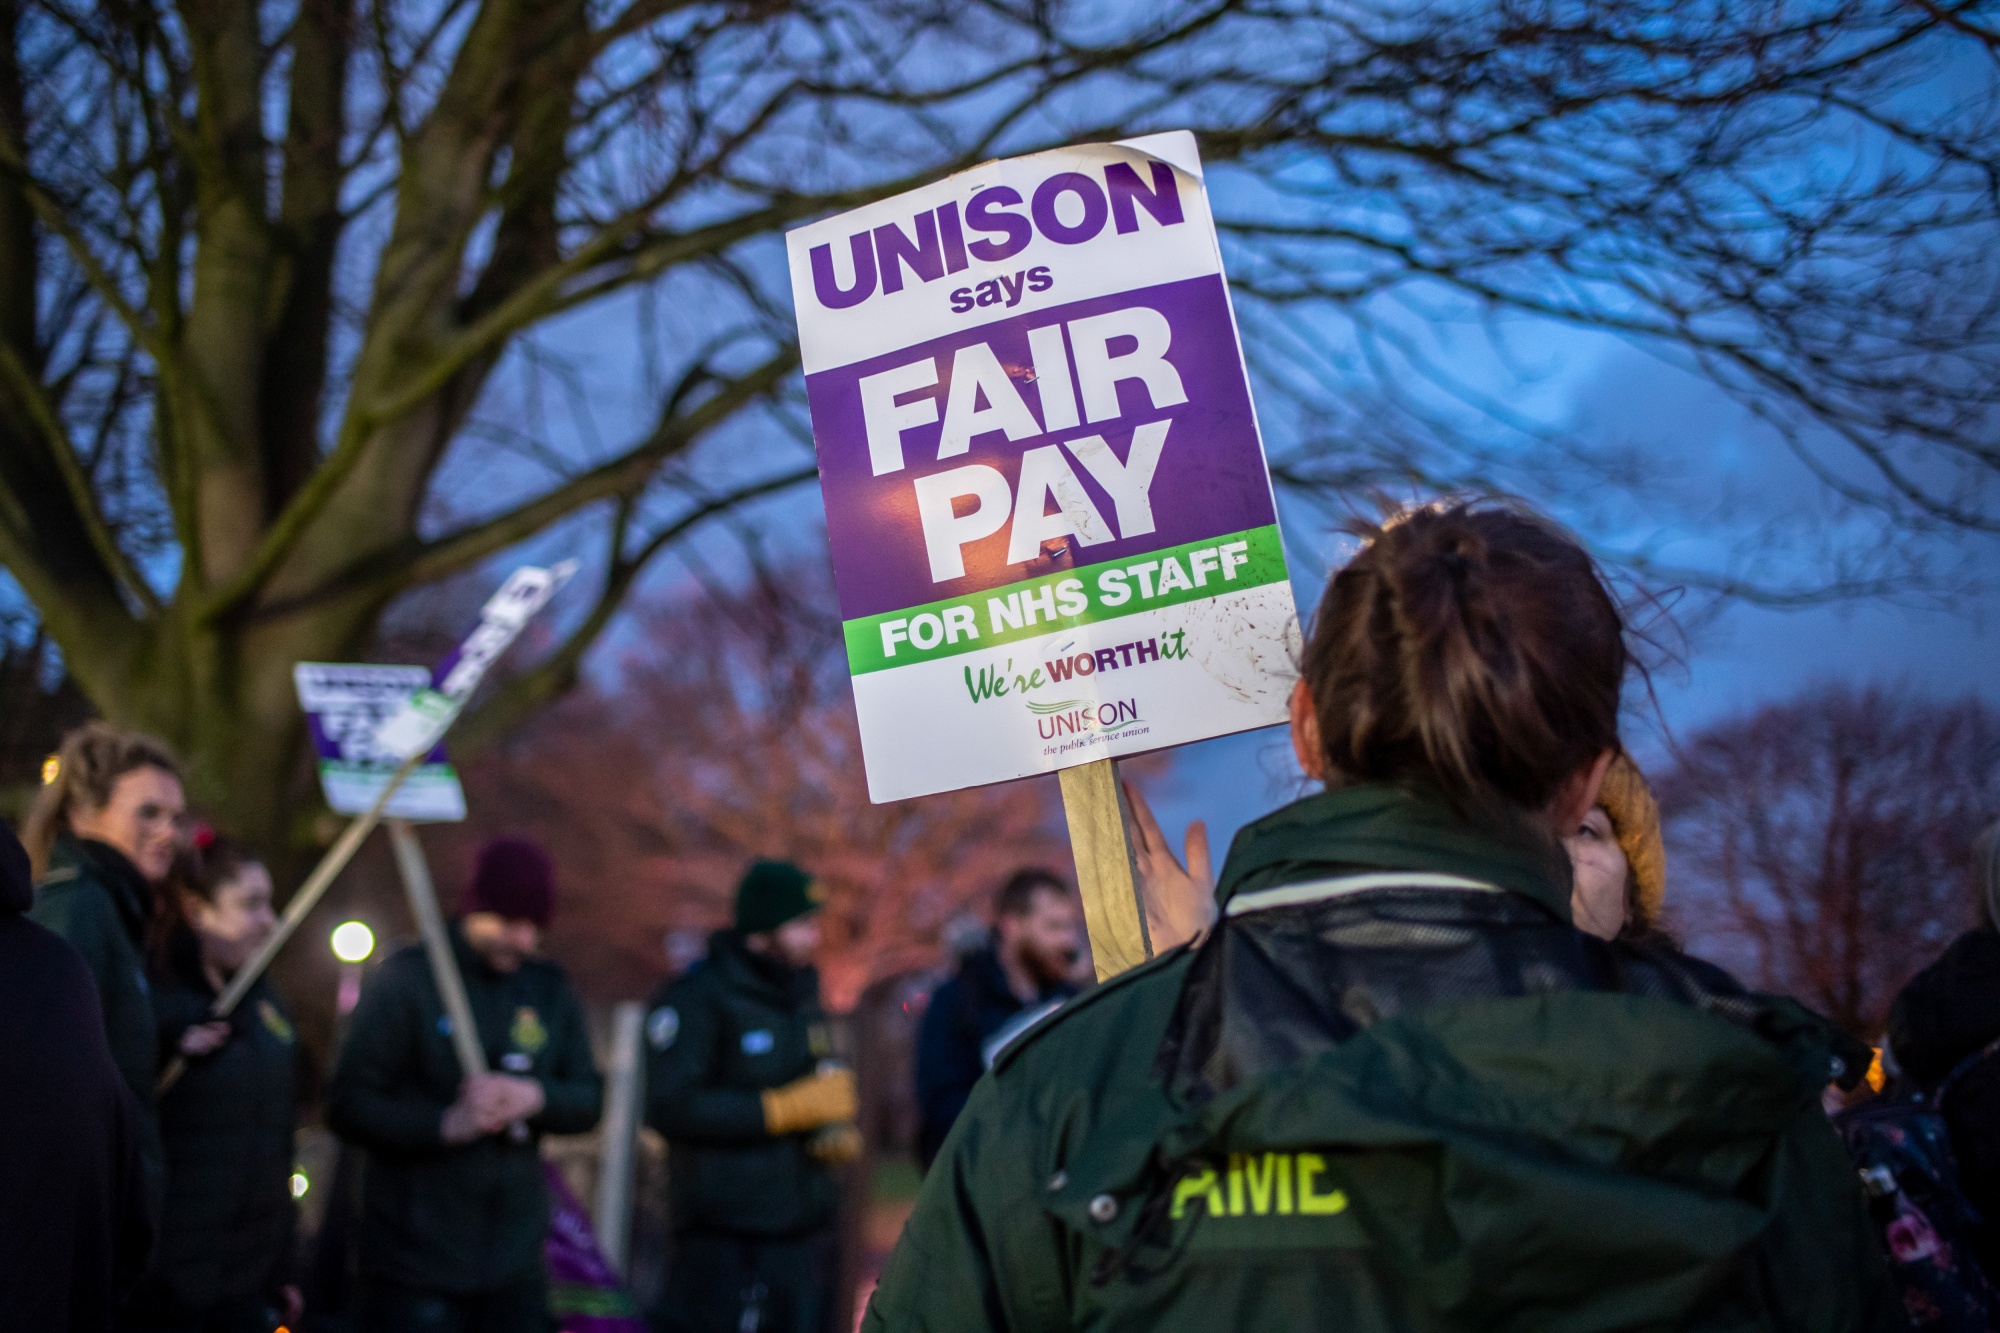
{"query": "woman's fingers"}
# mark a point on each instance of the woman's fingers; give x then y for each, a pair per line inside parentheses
(1198, 863)
(1145, 828)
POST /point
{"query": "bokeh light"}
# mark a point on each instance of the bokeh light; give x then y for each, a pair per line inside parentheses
(352, 941)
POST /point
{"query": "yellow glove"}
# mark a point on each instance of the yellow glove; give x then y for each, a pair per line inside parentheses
(809, 1102)
(836, 1145)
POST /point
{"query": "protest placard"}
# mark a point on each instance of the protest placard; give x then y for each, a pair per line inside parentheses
(1052, 524)
(344, 703)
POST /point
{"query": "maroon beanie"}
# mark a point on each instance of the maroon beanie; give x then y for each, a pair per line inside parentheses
(514, 879)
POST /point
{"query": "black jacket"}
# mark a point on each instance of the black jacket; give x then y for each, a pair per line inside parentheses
(1949, 1011)
(964, 1012)
(227, 1224)
(73, 1220)
(96, 899)
(718, 1037)
(460, 1218)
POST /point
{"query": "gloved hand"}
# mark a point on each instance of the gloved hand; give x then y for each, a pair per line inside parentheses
(836, 1145)
(809, 1102)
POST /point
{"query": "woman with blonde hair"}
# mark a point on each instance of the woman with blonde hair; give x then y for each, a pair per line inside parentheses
(102, 834)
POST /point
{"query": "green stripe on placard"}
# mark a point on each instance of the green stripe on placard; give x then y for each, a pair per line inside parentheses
(1086, 595)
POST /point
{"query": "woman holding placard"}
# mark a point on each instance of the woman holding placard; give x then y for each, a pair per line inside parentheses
(1394, 1087)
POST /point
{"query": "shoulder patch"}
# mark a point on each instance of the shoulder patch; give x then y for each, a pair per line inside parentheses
(663, 1026)
(275, 1022)
(1052, 1022)
(528, 1033)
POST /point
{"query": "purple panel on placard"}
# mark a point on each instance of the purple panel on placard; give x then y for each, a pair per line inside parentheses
(1211, 477)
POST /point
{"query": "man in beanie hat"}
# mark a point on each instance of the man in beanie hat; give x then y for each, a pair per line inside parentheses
(742, 1083)
(453, 1212)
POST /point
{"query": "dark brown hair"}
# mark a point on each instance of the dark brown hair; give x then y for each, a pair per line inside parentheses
(1471, 646)
(1017, 895)
(198, 872)
(86, 768)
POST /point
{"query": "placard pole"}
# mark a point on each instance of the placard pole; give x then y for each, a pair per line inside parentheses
(624, 1091)
(1106, 874)
(416, 874)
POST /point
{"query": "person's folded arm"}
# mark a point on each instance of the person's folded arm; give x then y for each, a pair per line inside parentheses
(371, 1101)
(573, 1091)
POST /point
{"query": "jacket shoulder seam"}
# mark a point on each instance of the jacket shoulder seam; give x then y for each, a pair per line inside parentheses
(1035, 1034)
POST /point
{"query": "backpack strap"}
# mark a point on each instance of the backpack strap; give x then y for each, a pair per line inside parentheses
(1961, 1069)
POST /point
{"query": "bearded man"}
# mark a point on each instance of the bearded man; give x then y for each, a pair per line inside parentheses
(1026, 972)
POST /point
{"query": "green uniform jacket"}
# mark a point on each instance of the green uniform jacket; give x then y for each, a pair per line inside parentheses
(227, 1226)
(457, 1219)
(1548, 1162)
(717, 1037)
(96, 899)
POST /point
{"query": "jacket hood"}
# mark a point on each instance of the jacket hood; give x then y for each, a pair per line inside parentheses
(1515, 1151)
(1376, 826)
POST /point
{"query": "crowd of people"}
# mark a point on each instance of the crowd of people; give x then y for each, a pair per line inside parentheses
(1421, 1056)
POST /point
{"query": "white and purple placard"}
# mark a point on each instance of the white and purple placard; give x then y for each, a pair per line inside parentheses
(345, 702)
(1052, 524)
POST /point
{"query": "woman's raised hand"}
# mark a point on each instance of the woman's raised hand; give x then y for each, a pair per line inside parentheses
(1180, 899)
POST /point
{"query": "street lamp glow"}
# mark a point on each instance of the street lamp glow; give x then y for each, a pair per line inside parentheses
(352, 941)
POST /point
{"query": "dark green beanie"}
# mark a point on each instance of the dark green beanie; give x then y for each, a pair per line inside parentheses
(772, 893)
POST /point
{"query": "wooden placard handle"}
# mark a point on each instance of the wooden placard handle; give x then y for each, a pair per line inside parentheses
(416, 874)
(1106, 873)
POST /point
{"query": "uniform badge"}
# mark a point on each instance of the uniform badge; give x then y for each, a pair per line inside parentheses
(275, 1023)
(528, 1034)
(662, 1026)
(758, 1042)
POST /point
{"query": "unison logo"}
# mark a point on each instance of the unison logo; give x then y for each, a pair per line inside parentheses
(992, 229)
(1073, 716)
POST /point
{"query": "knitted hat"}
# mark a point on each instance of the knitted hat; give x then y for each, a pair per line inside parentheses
(772, 893)
(1635, 818)
(514, 879)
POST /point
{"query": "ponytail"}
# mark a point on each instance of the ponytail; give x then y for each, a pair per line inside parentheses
(1471, 647)
(80, 777)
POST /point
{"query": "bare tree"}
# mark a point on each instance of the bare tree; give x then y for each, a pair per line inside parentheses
(278, 276)
(1825, 844)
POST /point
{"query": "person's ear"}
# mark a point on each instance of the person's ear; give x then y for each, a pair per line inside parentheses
(1305, 734)
(1579, 793)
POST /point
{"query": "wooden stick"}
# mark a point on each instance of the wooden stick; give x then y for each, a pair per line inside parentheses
(1106, 873)
(307, 898)
(416, 874)
(624, 1090)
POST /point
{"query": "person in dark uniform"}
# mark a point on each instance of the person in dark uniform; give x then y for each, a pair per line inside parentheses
(1392, 1087)
(454, 1209)
(1023, 971)
(224, 1263)
(105, 827)
(74, 1228)
(1944, 1030)
(756, 1112)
